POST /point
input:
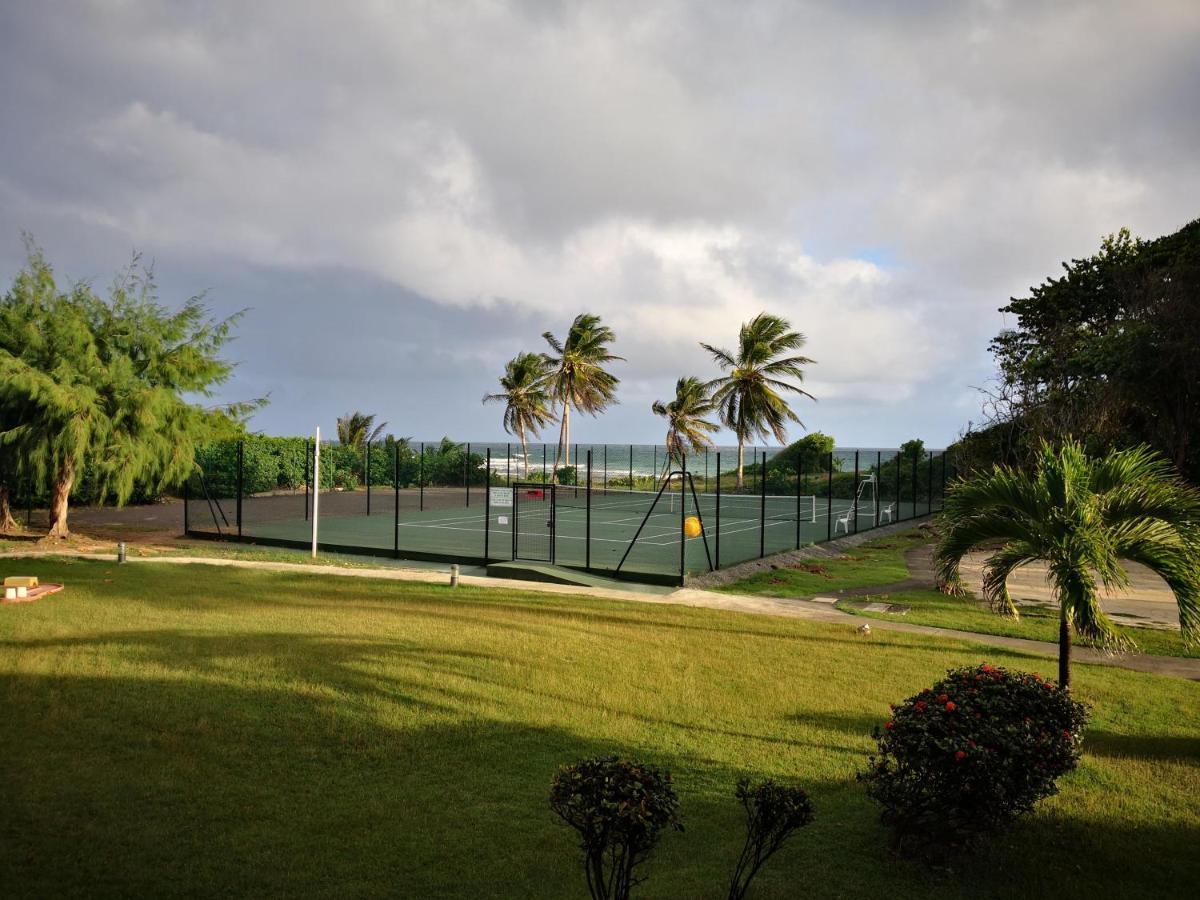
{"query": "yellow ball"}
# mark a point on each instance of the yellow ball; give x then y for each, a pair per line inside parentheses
(691, 526)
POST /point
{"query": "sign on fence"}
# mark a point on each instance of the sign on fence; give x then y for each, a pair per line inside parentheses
(500, 496)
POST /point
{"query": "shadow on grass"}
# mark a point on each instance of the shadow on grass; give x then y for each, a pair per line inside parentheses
(1157, 747)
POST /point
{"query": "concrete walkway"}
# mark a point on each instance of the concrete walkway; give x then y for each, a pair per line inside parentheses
(808, 610)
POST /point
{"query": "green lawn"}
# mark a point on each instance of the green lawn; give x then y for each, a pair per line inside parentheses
(194, 730)
(876, 562)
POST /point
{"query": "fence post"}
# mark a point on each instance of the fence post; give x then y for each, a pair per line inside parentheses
(367, 473)
(799, 469)
(396, 499)
(762, 508)
(508, 464)
(878, 482)
(631, 468)
(467, 473)
(186, 497)
(718, 536)
(587, 528)
(307, 475)
(487, 508)
(914, 486)
(605, 452)
(942, 496)
(929, 485)
(854, 487)
(682, 514)
(240, 482)
(899, 506)
(829, 501)
(421, 479)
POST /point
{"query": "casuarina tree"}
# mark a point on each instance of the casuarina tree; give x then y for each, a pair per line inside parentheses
(102, 384)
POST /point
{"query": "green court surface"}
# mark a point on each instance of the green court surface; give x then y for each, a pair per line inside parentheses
(565, 536)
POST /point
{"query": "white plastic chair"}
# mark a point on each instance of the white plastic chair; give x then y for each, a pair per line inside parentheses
(842, 522)
(887, 511)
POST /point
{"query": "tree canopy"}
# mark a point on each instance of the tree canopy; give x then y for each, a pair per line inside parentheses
(101, 383)
(1107, 350)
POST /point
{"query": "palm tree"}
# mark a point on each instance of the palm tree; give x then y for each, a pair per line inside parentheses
(356, 428)
(579, 378)
(1082, 516)
(526, 398)
(749, 395)
(687, 429)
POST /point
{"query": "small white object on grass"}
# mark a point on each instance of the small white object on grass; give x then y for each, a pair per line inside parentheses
(864, 628)
(10, 593)
(22, 592)
(454, 575)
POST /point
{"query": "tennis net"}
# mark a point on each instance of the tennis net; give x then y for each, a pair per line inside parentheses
(773, 507)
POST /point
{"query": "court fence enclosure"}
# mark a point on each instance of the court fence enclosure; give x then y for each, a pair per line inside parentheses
(617, 510)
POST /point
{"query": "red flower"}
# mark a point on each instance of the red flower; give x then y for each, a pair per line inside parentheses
(920, 706)
(1066, 734)
(1048, 686)
(950, 707)
(960, 755)
(888, 726)
(987, 668)
(942, 698)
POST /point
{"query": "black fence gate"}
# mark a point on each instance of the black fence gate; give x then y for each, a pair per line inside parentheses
(533, 522)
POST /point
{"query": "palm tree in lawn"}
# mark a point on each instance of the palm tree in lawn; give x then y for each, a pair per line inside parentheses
(578, 378)
(750, 394)
(526, 398)
(1082, 516)
(356, 428)
(687, 427)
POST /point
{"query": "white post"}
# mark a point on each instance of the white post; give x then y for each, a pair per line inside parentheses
(316, 489)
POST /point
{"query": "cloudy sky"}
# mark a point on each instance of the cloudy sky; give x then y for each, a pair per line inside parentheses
(406, 194)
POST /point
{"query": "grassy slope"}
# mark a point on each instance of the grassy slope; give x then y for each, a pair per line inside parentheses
(1038, 623)
(881, 562)
(205, 731)
(874, 563)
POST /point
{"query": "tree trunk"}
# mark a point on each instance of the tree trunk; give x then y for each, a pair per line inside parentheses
(741, 463)
(7, 522)
(524, 456)
(1064, 651)
(564, 436)
(60, 494)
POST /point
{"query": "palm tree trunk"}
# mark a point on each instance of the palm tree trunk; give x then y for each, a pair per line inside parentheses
(564, 435)
(1064, 649)
(524, 454)
(60, 494)
(741, 481)
(7, 522)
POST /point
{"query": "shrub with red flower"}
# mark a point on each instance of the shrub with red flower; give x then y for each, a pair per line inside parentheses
(946, 781)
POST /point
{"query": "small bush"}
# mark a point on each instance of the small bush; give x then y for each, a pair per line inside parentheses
(619, 808)
(774, 812)
(965, 757)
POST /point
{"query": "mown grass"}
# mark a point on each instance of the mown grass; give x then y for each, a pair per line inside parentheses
(1037, 623)
(204, 731)
(876, 562)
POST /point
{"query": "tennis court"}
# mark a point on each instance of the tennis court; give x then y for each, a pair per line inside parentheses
(555, 526)
(611, 529)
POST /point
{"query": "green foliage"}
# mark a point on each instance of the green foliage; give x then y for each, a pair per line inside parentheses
(749, 397)
(1107, 351)
(1083, 516)
(811, 453)
(965, 757)
(357, 429)
(567, 474)
(688, 431)
(526, 395)
(578, 376)
(619, 808)
(774, 812)
(98, 384)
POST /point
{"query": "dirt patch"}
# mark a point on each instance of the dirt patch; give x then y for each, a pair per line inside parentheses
(811, 569)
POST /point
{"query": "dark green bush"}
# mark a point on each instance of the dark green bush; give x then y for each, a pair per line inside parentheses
(774, 812)
(619, 808)
(963, 758)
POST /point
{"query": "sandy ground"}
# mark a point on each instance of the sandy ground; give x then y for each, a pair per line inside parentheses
(1147, 601)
